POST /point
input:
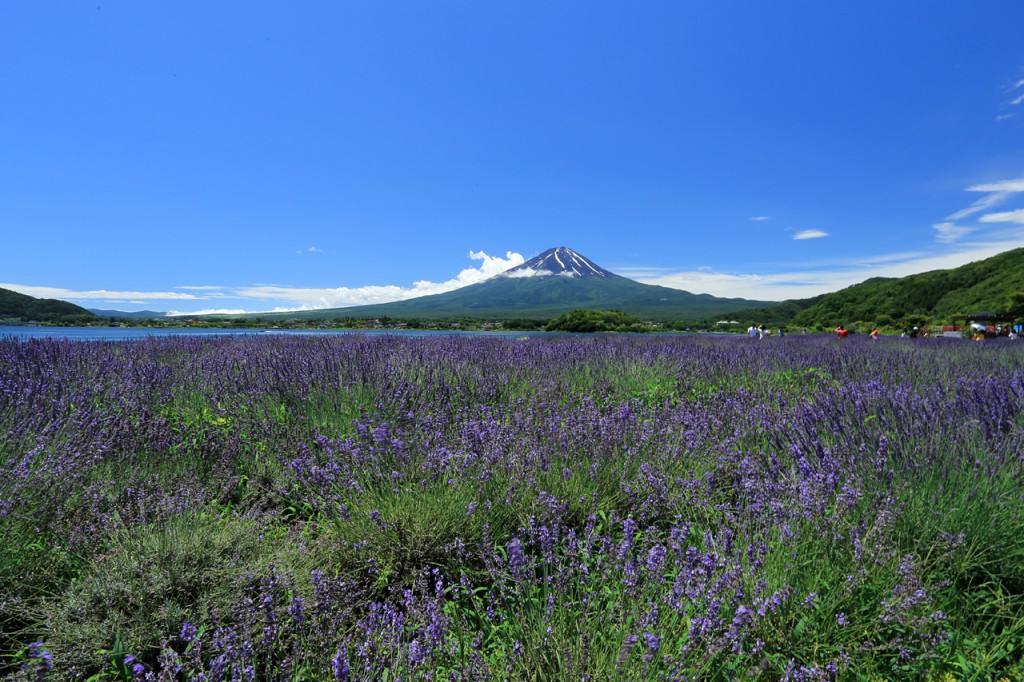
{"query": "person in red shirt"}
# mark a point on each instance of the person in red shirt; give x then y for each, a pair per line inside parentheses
(841, 332)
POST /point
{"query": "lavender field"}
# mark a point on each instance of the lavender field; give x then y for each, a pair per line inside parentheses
(380, 508)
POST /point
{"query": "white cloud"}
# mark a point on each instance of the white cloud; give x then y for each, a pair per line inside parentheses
(1016, 216)
(810, 234)
(640, 271)
(339, 297)
(947, 233)
(983, 204)
(1009, 186)
(528, 272)
(1016, 100)
(313, 298)
(759, 218)
(262, 298)
(493, 265)
(1003, 117)
(311, 249)
(97, 294)
(207, 311)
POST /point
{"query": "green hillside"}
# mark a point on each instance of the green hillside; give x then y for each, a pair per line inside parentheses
(15, 307)
(935, 296)
(939, 295)
(544, 298)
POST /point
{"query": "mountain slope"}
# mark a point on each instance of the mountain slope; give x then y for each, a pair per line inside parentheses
(981, 286)
(24, 308)
(555, 282)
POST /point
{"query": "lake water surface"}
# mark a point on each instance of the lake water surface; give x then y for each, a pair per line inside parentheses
(136, 333)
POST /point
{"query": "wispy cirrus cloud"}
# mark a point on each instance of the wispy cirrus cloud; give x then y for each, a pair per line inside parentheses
(1016, 98)
(810, 234)
(1018, 87)
(311, 249)
(988, 201)
(1012, 186)
(994, 193)
(947, 233)
(760, 218)
(1016, 216)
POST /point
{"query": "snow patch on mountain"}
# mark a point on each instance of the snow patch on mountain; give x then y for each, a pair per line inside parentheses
(561, 261)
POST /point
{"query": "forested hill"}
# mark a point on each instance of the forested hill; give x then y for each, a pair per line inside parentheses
(22, 308)
(939, 295)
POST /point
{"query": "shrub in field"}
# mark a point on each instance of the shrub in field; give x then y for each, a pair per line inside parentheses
(145, 581)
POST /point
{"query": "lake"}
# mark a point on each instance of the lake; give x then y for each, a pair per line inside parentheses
(136, 333)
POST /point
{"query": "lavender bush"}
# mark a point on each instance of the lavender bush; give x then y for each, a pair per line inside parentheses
(356, 508)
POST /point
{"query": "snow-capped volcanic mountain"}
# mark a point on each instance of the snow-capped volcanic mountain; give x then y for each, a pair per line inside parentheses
(545, 286)
(559, 261)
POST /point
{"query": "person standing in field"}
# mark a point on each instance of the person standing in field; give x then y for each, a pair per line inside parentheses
(874, 335)
(841, 332)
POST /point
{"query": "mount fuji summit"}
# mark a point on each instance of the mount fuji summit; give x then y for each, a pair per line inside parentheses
(557, 281)
(560, 261)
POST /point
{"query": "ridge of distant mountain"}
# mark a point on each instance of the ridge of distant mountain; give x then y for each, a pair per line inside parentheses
(980, 286)
(128, 315)
(557, 281)
(25, 308)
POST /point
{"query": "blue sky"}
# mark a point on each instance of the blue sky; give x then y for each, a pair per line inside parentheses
(246, 156)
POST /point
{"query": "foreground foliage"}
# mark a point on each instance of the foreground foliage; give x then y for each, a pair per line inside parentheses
(597, 321)
(344, 507)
